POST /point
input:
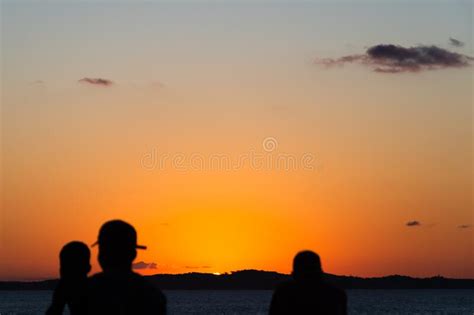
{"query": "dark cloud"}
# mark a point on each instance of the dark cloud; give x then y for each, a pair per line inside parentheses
(456, 43)
(96, 81)
(413, 223)
(397, 59)
(464, 226)
(144, 265)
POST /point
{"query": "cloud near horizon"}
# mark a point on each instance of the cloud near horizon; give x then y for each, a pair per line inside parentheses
(464, 226)
(197, 267)
(413, 223)
(397, 59)
(144, 265)
(96, 81)
(455, 42)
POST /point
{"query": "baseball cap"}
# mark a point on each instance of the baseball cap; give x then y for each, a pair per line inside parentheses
(118, 233)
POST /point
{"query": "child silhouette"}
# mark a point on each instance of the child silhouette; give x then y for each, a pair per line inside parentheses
(74, 260)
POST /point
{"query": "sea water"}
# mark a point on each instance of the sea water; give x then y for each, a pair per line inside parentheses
(256, 302)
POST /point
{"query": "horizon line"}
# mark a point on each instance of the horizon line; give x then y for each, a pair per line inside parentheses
(258, 270)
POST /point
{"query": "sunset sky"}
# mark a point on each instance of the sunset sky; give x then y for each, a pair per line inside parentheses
(172, 116)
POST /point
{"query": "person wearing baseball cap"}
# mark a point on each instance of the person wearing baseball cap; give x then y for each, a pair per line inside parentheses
(117, 289)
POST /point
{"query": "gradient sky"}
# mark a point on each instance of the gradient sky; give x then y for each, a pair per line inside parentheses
(201, 78)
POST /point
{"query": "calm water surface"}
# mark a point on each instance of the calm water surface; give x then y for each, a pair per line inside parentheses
(256, 302)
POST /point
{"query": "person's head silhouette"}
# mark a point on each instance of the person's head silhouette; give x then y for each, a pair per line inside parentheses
(307, 265)
(74, 265)
(308, 292)
(117, 246)
(74, 260)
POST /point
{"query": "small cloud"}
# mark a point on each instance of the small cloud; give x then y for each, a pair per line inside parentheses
(37, 84)
(456, 43)
(144, 265)
(157, 85)
(329, 62)
(96, 81)
(413, 223)
(396, 59)
(464, 226)
(197, 267)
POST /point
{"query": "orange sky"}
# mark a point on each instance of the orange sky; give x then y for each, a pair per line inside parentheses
(383, 149)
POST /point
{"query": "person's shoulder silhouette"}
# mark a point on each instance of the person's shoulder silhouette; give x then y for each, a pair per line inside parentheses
(74, 260)
(307, 292)
(117, 289)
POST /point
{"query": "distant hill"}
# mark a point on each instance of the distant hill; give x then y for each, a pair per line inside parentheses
(267, 280)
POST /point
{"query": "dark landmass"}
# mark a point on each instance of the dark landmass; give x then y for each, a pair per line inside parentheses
(267, 280)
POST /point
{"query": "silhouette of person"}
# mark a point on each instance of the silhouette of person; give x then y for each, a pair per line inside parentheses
(74, 261)
(307, 292)
(117, 289)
